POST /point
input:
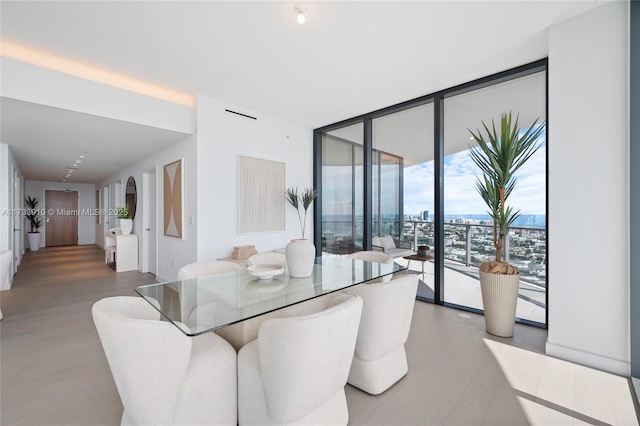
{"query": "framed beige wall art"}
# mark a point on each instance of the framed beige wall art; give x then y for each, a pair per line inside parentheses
(261, 186)
(173, 198)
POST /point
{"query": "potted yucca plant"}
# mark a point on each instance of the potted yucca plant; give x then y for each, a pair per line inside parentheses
(499, 156)
(300, 253)
(35, 221)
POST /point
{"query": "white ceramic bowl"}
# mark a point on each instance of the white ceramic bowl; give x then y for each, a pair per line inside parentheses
(266, 271)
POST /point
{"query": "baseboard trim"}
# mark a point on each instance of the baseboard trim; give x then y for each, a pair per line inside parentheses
(600, 362)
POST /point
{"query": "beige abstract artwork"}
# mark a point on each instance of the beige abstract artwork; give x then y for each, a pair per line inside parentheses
(172, 184)
(261, 186)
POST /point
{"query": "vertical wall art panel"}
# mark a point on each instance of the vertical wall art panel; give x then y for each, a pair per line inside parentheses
(173, 199)
(261, 186)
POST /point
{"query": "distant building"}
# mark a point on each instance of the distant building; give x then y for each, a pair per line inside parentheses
(425, 215)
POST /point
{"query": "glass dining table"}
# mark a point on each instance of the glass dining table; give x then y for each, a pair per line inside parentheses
(214, 302)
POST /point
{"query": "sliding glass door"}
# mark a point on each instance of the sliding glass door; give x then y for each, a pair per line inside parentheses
(404, 174)
(403, 177)
(468, 229)
(342, 194)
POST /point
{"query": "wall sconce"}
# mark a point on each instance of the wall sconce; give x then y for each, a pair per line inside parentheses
(301, 10)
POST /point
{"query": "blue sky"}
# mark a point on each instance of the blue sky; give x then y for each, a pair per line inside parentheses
(461, 197)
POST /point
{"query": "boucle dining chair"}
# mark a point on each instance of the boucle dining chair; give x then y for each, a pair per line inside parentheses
(372, 256)
(267, 259)
(295, 372)
(163, 376)
(380, 359)
(197, 269)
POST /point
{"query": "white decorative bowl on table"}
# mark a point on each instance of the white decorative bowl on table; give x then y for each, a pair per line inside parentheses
(265, 271)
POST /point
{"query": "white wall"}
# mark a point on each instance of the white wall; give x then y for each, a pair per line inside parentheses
(222, 137)
(86, 201)
(30, 83)
(588, 189)
(173, 253)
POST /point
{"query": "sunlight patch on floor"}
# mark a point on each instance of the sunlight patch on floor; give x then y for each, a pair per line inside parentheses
(553, 391)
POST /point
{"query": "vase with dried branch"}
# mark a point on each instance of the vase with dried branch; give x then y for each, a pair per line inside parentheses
(300, 253)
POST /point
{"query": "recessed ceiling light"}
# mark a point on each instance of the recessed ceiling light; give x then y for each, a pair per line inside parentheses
(82, 156)
(78, 162)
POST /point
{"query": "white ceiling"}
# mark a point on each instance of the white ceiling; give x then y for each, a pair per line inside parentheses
(46, 140)
(349, 58)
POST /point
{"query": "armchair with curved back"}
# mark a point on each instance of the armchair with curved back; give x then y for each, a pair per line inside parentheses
(197, 269)
(372, 256)
(164, 377)
(271, 258)
(295, 372)
(380, 359)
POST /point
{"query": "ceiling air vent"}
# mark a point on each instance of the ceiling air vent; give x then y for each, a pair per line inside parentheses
(241, 114)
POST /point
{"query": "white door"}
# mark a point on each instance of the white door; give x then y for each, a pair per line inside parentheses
(17, 221)
(106, 218)
(149, 221)
(117, 202)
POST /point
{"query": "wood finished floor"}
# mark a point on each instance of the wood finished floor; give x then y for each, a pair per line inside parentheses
(53, 369)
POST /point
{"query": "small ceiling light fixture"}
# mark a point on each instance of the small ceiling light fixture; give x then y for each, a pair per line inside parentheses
(301, 10)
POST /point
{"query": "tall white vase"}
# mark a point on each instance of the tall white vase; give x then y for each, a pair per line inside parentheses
(126, 226)
(499, 298)
(301, 255)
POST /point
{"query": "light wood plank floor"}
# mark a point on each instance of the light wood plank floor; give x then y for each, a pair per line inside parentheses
(53, 369)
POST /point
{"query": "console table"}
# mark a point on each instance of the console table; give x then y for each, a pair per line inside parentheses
(126, 250)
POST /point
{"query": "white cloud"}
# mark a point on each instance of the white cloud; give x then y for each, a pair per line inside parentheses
(460, 196)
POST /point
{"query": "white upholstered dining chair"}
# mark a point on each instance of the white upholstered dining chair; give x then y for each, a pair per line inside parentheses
(372, 256)
(163, 376)
(267, 259)
(295, 372)
(197, 269)
(380, 359)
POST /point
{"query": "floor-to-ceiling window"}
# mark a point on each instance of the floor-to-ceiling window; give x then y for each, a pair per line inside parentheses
(342, 194)
(403, 176)
(468, 228)
(405, 172)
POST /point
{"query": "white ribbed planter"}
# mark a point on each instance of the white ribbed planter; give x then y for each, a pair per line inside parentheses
(126, 226)
(34, 241)
(301, 255)
(499, 298)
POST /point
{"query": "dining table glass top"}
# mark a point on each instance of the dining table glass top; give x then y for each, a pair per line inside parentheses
(210, 302)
